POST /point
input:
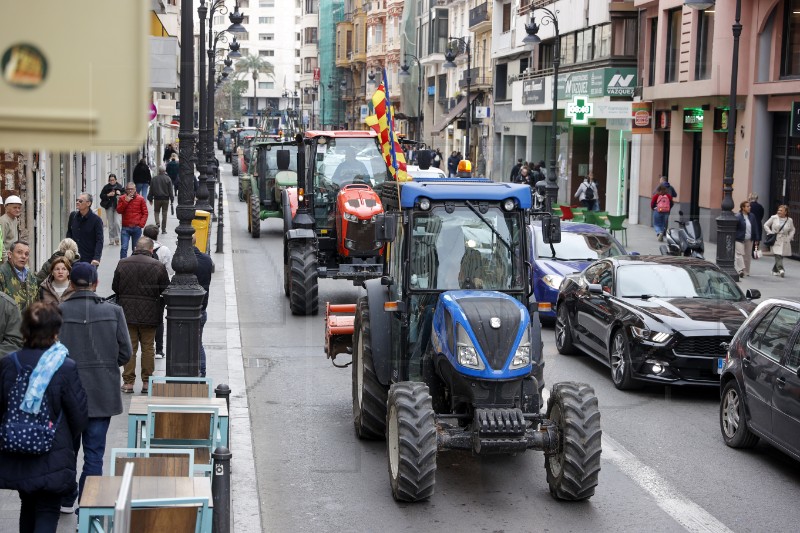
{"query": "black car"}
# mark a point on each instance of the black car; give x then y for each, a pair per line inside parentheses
(760, 384)
(659, 319)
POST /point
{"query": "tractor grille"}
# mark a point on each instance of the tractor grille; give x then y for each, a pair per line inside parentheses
(360, 238)
(702, 346)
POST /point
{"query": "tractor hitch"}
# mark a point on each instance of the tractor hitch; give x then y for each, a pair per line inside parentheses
(339, 320)
(498, 431)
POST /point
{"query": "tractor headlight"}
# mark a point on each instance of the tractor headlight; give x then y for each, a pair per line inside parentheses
(466, 352)
(509, 204)
(553, 281)
(350, 217)
(522, 357)
(424, 204)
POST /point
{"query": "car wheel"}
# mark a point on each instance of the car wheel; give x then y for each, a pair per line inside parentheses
(620, 360)
(563, 332)
(732, 421)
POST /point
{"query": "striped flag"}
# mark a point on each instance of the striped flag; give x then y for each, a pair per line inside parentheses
(383, 123)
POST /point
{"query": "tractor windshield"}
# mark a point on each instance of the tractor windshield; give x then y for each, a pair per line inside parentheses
(466, 249)
(343, 161)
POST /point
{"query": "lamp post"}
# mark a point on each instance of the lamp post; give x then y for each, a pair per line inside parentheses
(551, 194)
(184, 296)
(404, 72)
(312, 92)
(202, 158)
(460, 45)
(342, 93)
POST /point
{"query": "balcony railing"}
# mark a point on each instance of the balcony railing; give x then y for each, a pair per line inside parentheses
(479, 14)
(376, 48)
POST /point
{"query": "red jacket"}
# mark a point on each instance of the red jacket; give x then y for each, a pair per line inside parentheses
(134, 212)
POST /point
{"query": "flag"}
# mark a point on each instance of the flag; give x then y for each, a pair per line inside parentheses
(383, 123)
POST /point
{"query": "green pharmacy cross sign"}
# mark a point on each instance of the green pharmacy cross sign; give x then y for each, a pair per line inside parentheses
(579, 110)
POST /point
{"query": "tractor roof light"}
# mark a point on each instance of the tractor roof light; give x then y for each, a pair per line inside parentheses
(424, 204)
(509, 204)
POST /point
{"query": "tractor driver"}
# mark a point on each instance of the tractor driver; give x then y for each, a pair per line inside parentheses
(350, 170)
(472, 273)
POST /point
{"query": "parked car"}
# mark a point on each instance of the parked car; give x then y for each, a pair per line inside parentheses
(580, 245)
(415, 172)
(760, 384)
(659, 319)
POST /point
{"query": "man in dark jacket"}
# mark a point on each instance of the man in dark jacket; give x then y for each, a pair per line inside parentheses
(747, 231)
(758, 211)
(138, 283)
(96, 335)
(86, 228)
(515, 171)
(161, 191)
(205, 267)
(142, 177)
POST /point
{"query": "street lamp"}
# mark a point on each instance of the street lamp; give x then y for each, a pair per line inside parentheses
(551, 194)
(311, 91)
(456, 46)
(343, 104)
(404, 73)
(726, 221)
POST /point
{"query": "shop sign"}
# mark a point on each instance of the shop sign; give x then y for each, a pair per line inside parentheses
(579, 110)
(663, 120)
(611, 110)
(721, 119)
(597, 83)
(364, 112)
(692, 119)
(795, 132)
(533, 91)
(642, 114)
(482, 111)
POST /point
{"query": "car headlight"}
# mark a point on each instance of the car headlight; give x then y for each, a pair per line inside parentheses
(645, 334)
(553, 280)
(466, 352)
(350, 217)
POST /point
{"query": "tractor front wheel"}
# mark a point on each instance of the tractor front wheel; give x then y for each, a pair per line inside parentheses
(369, 396)
(254, 211)
(573, 470)
(303, 299)
(411, 441)
(241, 192)
(235, 164)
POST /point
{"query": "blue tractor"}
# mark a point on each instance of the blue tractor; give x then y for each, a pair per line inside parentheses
(447, 350)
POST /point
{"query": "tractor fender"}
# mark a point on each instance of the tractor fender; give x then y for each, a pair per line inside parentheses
(291, 195)
(380, 339)
(299, 234)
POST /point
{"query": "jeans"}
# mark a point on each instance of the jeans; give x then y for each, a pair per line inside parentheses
(112, 221)
(129, 233)
(203, 318)
(146, 335)
(143, 188)
(39, 512)
(160, 212)
(660, 221)
(94, 448)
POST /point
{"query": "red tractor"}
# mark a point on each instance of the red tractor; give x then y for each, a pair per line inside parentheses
(331, 234)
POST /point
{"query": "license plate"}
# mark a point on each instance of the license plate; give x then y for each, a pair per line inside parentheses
(720, 364)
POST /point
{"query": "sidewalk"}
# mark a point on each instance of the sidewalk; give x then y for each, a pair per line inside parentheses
(222, 342)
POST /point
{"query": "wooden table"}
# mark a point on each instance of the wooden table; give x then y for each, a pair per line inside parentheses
(137, 413)
(100, 495)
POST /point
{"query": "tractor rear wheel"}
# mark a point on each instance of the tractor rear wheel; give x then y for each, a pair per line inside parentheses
(303, 299)
(254, 211)
(411, 441)
(369, 396)
(573, 470)
(235, 165)
(249, 217)
(241, 192)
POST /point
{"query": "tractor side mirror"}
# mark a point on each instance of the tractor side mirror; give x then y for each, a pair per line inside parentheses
(386, 227)
(551, 229)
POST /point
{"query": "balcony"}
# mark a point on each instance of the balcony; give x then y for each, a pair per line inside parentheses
(376, 49)
(478, 80)
(479, 19)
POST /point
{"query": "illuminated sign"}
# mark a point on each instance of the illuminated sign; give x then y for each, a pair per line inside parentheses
(579, 110)
(692, 119)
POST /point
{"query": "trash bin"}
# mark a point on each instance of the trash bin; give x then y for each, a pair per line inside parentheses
(202, 230)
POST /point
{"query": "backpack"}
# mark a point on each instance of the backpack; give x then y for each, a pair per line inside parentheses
(155, 252)
(588, 194)
(662, 204)
(21, 432)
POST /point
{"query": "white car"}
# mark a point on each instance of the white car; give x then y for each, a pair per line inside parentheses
(415, 172)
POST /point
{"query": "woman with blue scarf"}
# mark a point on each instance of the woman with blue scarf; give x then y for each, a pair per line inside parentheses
(42, 480)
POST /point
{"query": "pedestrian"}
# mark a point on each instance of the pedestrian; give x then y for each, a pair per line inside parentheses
(670, 189)
(86, 229)
(587, 193)
(9, 224)
(68, 249)
(142, 177)
(747, 231)
(173, 171)
(758, 211)
(54, 388)
(16, 280)
(161, 192)
(169, 151)
(163, 254)
(782, 227)
(524, 176)
(437, 159)
(108, 201)
(515, 171)
(138, 283)
(661, 203)
(10, 322)
(452, 164)
(56, 288)
(133, 209)
(96, 335)
(205, 266)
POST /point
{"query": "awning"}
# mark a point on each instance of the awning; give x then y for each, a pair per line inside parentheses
(453, 114)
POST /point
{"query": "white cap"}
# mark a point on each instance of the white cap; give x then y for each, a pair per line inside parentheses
(13, 200)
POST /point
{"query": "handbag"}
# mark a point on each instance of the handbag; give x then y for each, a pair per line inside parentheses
(770, 239)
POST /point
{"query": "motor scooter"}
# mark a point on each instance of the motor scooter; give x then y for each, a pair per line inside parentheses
(685, 240)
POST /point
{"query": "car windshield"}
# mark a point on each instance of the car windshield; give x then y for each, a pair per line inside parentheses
(676, 281)
(349, 160)
(466, 249)
(578, 246)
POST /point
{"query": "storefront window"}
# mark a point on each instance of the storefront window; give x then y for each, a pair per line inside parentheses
(790, 64)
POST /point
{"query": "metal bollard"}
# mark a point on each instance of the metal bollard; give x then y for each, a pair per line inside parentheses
(224, 391)
(219, 221)
(221, 490)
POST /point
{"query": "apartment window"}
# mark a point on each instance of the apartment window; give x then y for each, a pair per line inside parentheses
(442, 84)
(297, 36)
(243, 36)
(626, 38)
(705, 44)
(297, 69)
(583, 46)
(219, 19)
(244, 51)
(311, 7)
(266, 85)
(500, 81)
(266, 20)
(310, 35)
(439, 31)
(506, 17)
(546, 55)
(602, 41)
(297, 53)
(790, 60)
(651, 65)
(244, 3)
(568, 49)
(246, 20)
(266, 36)
(266, 53)
(264, 3)
(673, 45)
(523, 64)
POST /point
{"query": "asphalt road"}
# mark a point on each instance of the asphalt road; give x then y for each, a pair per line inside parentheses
(664, 467)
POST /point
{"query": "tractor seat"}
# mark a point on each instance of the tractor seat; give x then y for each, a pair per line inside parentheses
(286, 178)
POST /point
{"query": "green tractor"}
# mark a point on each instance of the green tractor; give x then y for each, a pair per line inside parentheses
(270, 172)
